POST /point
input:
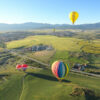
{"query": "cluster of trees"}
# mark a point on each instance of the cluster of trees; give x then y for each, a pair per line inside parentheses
(2, 44)
(89, 57)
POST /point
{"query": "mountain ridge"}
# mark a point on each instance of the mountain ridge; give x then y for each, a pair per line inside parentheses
(34, 25)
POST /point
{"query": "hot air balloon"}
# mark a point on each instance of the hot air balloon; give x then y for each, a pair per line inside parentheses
(73, 16)
(24, 67)
(18, 66)
(60, 70)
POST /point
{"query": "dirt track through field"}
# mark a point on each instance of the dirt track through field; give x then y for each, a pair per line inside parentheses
(22, 87)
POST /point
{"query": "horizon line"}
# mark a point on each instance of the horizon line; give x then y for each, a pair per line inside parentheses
(48, 23)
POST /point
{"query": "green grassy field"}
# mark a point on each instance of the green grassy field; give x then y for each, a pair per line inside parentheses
(11, 88)
(56, 42)
(42, 85)
(44, 56)
(59, 43)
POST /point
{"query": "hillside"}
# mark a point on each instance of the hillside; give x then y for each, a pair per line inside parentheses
(59, 43)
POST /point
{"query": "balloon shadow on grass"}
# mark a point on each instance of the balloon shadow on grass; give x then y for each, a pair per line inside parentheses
(47, 77)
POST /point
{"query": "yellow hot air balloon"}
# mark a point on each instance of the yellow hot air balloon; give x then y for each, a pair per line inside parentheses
(73, 16)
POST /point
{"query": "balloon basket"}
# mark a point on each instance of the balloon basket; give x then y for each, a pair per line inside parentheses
(59, 80)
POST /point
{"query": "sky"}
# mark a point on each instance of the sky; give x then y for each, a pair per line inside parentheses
(49, 11)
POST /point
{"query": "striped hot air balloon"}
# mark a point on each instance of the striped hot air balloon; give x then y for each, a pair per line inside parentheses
(59, 69)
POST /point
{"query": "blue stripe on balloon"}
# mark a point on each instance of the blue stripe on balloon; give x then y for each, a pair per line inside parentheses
(60, 71)
(64, 69)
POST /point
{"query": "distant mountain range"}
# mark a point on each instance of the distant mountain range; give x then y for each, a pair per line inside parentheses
(32, 25)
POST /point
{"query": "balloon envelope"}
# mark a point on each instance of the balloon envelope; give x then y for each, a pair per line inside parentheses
(73, 16)
(18, 66)
(24, 65)
(59, 69)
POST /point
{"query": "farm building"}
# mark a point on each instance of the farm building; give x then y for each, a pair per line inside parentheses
(80, 67)
(38, 48)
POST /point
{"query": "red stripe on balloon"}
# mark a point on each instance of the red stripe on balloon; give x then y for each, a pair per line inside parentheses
(24, 65)
(55, 67)
(18, 66)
